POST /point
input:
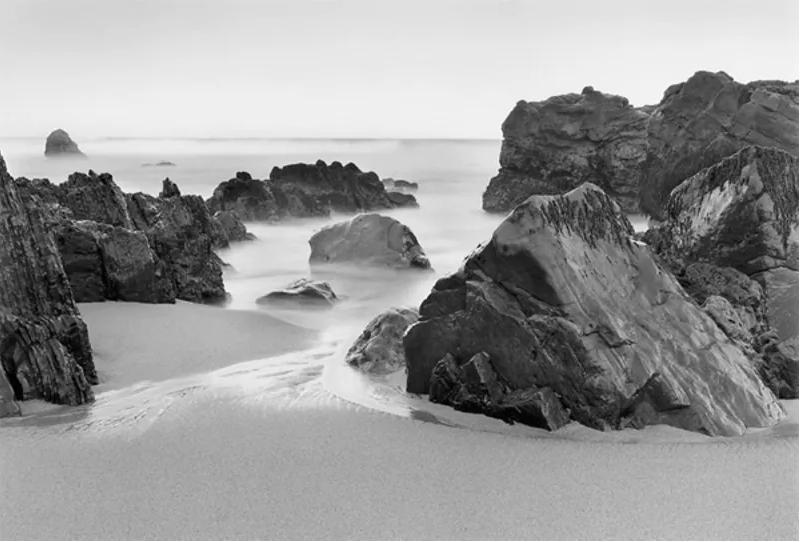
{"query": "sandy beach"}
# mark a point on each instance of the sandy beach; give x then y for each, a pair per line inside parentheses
(185, 442)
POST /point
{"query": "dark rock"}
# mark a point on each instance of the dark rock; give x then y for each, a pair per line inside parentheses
(249, 198)
(379, 349)
(233, 228)
(369, 239)
(169, 189)
(94, 197)
(44, 344)
(402, 200)
(562, 298)
(159, 164)
(59, 144)
(301, 292)
(779, 367)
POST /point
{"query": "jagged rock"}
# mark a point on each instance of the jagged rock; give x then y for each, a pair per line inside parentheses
(553, 146)
(638, 155)
(44, 344)
(707, 118)
(379, 349)
(182, 234)
(779, 365)
(562, 298)
(369, 239)
(94, 197)
(233, 228)
(60, 144)
(301, 292)
(169, 189)
(106, 262)
(304, 190)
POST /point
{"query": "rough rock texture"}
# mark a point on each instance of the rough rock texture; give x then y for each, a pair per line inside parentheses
(638, 155)
(302, 292)
(60, 144)
(169, 189)
(233, 228)
(304, 190)
(553, 146)
(561, 297)
(182, 234)
(379, 349)
(476, 387)
(370, 239)
(44, 344)
(94, 197)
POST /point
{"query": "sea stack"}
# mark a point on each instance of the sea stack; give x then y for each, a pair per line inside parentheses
(60, 144)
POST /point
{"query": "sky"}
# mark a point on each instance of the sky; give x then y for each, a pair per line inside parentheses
(359, 68)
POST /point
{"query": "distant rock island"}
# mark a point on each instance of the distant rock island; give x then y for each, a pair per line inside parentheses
(59, 144)
(638, 154)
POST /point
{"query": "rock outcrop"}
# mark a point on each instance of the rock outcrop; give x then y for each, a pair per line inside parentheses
(742, 214)
(59, 144)
(563, 299)
(638, 155)
(232, 227)
(44, 344)
(379, 349)
(302, 292)
(304, 190)
(368, 239)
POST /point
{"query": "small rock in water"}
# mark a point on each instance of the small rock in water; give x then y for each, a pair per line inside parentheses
(304, 292)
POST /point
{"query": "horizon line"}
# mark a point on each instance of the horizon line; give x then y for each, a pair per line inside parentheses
(265, 138)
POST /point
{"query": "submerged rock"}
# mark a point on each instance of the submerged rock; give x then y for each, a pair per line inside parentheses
(562, 298)
(379, 349)
(369, 239)
(301, 292)
(59, 144)
(44, 344)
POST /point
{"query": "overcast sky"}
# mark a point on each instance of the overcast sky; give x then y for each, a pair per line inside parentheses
(359, 68)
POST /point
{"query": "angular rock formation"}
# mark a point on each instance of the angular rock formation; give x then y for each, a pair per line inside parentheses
(44, 344)
(59, 144)
(553, 146)
(562, 298)
(302, 292)
(94, 197)
(368, 239)
(379, 349)
(638, 155)
(304, 190)
(232, 227)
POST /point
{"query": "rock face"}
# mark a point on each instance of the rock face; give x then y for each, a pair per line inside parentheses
(562, 298)
(379, 349)
(44, 344)
(59, 144)
(303, 292)
(742, 214)
(232, 227)
(638, 155)
(304, 190)
(553, 146)
(369, 239)
(94, 197)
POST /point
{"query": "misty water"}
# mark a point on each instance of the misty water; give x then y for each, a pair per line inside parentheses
(449, 224)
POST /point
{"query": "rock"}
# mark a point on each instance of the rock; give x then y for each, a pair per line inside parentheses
(301, 292)
(406, 185)
(553, 146)
(368, 239)
(232, 227)
(638, 155)
(304, 190)
(59, 144)
(379, 349)
(779, 368)
(169, 189)
(94, 197)
(562, 298)
(399, 185)
(710, 116)
(402, 200)
(44, 344)
(781, 290)
(182, 234)
(159, 164)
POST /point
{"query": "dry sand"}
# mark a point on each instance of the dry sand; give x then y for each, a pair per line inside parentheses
(182, 444)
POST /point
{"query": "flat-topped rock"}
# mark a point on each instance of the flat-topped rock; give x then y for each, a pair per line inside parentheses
(563, 298)
(59, 144)
(368, 239)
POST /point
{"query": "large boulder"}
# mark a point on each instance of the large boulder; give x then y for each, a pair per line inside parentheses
(303, 292)
(44, 344)
(94, 197)
(232, 227)
(182, 234)
(379, 348)
(368, 239)
(59, 144)
(563, 298)
(553, 146)
(638, 155)
(305, 190)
